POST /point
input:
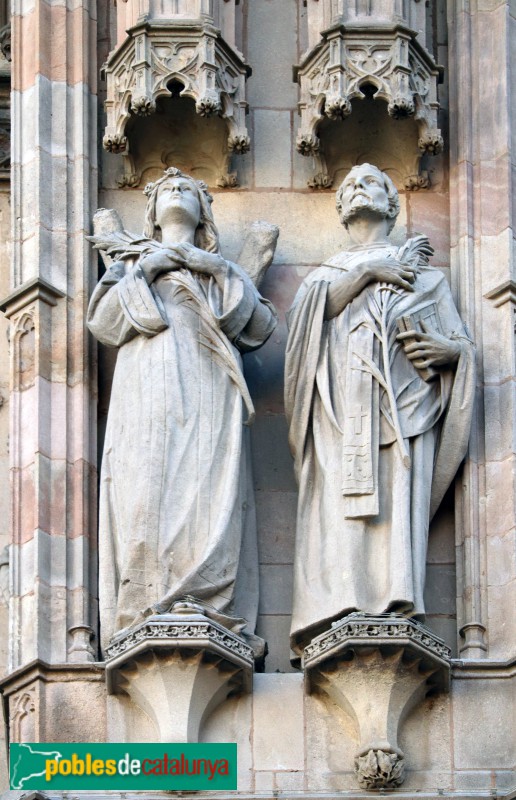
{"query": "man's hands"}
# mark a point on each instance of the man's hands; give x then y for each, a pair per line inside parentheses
(390, 270)
(177, 256)
(429, 348)
(425, 348)
(379, 270)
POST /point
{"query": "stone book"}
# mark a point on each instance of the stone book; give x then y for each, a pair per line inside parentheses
(412, 322)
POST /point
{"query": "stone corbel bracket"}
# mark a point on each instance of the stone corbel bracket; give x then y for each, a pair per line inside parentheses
(178, 668)
(157, 53)
(376, 669)
(350, 61)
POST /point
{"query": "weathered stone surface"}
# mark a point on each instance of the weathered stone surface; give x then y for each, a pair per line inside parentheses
(273, 469)
(64, 690)
(441, 541)
(232, 722)
(425, 738)
(440, 588)
(278, 722)
(272, 160)
(272, 53)
(331, 745)
(290, 781)
(275, 516)
(56, 55)
(492, 744)
(275, 589)
(429, 213)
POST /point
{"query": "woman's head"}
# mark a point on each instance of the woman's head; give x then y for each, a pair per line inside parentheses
(206, 234)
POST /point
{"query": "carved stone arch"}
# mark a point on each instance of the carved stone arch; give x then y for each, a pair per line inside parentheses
(24, 322)
(24, 348)
(23, 706)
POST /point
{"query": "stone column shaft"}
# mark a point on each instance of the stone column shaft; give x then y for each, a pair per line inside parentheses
(53, 474)
(482, 156)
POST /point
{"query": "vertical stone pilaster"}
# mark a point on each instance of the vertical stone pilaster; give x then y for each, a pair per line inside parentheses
(52, 432)
(482, 157)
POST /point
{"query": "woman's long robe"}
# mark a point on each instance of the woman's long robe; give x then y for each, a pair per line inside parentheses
(363, 515)
(176, 508)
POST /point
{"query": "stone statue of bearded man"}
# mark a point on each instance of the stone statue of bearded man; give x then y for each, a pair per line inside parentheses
(379, 391)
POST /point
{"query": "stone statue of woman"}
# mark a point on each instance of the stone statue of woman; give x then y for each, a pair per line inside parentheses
(176, 517)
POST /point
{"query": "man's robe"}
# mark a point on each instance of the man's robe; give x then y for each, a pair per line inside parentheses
(176, 503)
(366, 492)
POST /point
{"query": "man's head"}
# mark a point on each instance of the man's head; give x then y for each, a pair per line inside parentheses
(367, 189)
(176, 188)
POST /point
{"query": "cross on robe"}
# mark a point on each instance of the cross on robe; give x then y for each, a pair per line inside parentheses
(358, 415)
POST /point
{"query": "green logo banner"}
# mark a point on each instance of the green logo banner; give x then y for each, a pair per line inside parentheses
(119, 767)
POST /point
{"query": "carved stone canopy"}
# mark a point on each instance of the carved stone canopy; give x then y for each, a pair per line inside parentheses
(359, 56)
(164, 51)
(376, 669)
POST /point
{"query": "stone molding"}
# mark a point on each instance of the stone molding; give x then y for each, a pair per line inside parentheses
(504, 293)
(382, 629)
(288, 795)
(359, 56)
(29, 292)
(178, 632)
(483, 669)
(25, 691)
(23, 677)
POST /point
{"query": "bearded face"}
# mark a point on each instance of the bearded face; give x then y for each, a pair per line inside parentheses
(366, 189)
